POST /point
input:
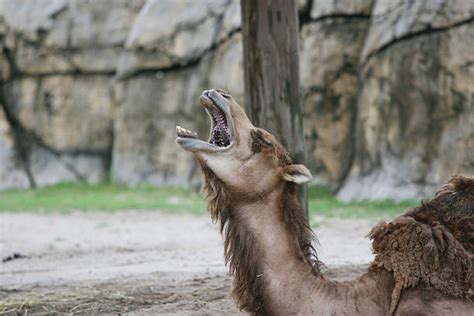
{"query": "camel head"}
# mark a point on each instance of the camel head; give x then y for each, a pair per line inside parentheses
(247, 159)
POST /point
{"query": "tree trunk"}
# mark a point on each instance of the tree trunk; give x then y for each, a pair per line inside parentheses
(271, 72)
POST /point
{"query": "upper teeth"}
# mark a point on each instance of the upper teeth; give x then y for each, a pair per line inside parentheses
(183, 131)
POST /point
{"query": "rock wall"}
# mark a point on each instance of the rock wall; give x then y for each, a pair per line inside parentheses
(331, 45)
(93, 89)
(415, 109)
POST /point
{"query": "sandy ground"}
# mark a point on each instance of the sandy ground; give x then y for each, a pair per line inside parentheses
(138, 263)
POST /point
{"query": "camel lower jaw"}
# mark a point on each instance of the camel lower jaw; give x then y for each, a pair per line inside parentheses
(197, 145)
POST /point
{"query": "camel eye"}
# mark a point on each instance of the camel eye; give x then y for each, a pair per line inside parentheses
(258, 141)
(224, 93)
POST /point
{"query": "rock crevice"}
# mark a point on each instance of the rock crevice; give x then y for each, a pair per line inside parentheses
(410, 36)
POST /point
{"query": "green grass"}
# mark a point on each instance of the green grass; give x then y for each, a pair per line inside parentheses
(112, 197)
(103, 196)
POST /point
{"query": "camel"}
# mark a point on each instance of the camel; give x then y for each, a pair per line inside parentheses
(423, 259)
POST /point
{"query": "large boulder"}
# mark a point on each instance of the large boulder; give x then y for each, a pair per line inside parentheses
(398, 19)
(65, 36)
(168, 33)
(329, 58)
(68, 122)
(416, 108)
(67, 113)
(34, 20)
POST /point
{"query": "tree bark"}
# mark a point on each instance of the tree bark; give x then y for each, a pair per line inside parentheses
(271, 71)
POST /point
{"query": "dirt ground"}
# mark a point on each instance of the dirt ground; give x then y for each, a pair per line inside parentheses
(138, 263)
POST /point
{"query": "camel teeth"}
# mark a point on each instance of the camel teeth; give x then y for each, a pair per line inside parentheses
(180, 130)
(185, 132)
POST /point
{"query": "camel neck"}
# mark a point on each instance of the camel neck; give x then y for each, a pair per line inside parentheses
(281, 263)
(266, 222)
(264, 248)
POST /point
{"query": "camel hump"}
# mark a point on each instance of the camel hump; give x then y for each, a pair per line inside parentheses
(419, 254)
(432, 244)
(453, 208)
(458, 189)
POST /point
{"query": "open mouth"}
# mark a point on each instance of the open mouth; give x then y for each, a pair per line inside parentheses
(221, 131)
(220, 134)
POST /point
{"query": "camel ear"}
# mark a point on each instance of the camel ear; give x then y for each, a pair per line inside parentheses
(297, 173)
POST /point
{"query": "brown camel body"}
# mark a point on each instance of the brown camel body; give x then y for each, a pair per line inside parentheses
(424, 260)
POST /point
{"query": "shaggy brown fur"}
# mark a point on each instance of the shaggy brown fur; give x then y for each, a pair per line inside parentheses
(240, 252)
(431, 244)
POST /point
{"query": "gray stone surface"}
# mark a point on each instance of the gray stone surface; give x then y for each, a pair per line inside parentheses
(66, 124)
(162, 20)
(33, 18)
(226, 70)
(32, 60)
(328, 69)
(323, 8)
(104, 23)
(5, 71)
(396, 19)
(64, 36)
(49, 168)
(416, 117)
(231, 20)
(150, 106)
(67, 113)
(168, 33)
(12, 174)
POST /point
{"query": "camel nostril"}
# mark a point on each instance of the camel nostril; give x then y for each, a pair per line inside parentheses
(223, 93)
(205, 93)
